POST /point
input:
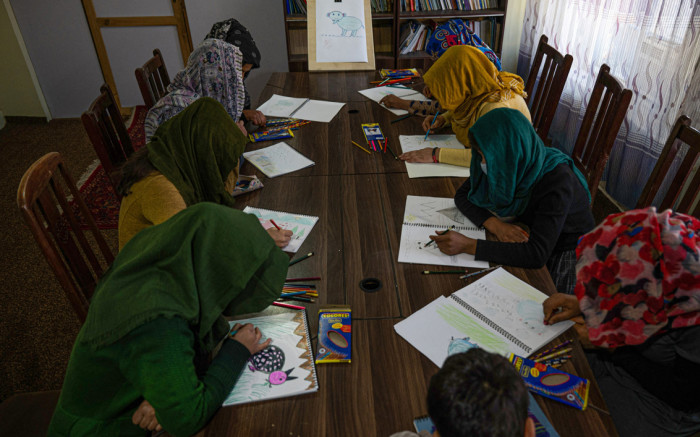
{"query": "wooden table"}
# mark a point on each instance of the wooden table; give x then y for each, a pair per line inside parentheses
(360, 200)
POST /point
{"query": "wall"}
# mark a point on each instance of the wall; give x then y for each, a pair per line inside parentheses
(58, 40)
(512, 34)
(18, 97)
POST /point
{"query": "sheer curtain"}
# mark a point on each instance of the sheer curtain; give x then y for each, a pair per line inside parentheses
(651, 46)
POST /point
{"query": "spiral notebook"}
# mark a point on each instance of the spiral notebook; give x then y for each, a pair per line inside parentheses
(499, 313)
(424, 216)
(285, 368)
(300, 225)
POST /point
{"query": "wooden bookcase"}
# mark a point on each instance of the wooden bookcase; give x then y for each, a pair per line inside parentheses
(387, 32)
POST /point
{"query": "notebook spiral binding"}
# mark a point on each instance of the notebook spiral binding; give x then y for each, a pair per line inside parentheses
(455, 228)
(495, 327)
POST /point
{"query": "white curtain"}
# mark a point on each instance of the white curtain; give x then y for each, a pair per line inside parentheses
(651, 46)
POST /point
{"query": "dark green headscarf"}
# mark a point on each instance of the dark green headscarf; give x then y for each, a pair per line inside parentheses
(516, 160)
(206, 261)
(197, 149)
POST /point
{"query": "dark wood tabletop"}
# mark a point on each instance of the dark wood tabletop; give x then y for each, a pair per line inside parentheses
(360, 200)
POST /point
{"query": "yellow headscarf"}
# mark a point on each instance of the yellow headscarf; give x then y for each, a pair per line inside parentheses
(463, 79)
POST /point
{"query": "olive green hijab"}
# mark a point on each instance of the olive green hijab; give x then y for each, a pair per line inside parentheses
(204, 262)
(198, 150)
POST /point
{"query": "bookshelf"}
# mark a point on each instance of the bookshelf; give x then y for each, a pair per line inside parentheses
(388, 26)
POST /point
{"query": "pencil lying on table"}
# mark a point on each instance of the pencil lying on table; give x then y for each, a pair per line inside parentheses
(480, 272)
(403, 117)
(445, 272)
(360, 147)
(308, 255)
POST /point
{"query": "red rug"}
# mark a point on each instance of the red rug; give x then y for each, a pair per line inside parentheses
(97, 189)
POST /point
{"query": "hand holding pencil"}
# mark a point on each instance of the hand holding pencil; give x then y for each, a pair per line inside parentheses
(281, 237)
(433, 122)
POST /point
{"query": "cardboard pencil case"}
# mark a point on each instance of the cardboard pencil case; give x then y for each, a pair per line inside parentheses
(334, 345)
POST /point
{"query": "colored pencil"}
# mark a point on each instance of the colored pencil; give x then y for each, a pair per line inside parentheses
(392, 152)
(558, 360)
(360, 147)
(308, 255)
(552, 349)
(445, 272)
(275, 224)
(312, 278)
(290, 306)
(439, 233)
(300, 285)
(382, 82)
(293, 293)
(554, 354)
(403, 117)
(299, 299)
(480, 272)
(431, 124)
(385, 140)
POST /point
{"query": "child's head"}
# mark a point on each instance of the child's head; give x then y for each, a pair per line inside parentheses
(478, 394)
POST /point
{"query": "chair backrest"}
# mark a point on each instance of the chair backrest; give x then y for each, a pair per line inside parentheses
(682, 133)
(543, 103)
(604, 115)
(153, 79)
(64, 229)
(107, 132)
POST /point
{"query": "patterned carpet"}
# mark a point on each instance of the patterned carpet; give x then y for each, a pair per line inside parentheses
(97, 189)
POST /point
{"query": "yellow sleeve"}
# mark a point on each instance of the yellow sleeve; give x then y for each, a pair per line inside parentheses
(462, 157)
(161, 200)
(447, 115)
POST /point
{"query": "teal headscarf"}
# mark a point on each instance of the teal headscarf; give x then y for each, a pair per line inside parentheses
(204, 262)
(516, 160)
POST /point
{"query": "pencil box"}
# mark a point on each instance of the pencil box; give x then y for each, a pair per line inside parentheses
(334, 331)
(274, 135)
(552, 383)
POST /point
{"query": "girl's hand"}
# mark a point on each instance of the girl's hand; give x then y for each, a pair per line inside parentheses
(453, 243)
(249, 336)
(282, 237)
(145, 417)
(582, 331)
(560, 306)
(241, 126)
(428, 122)
(422, 155)
(391, 101)
(255, 117)
(506, 232)
(426, 92)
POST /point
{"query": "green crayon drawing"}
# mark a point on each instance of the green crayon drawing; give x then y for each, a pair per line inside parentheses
(478, 334)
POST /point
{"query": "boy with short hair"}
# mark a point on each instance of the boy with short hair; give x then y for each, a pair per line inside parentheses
(477, 394)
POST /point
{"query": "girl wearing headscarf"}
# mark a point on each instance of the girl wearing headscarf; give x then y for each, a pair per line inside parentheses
(514, 175)
(214, 69)
(638, 289)
(467, 85)
(156, 317)
(236, 34)
(192, 158)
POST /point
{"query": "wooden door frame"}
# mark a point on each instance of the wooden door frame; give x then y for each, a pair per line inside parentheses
(178, 19)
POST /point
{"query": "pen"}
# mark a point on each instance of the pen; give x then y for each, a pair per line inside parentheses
(439, 233)
(431, 124)
(480, 272)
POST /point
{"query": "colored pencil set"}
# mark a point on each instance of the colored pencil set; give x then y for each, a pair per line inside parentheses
(278, 130)
(375, 139)
(292, 290)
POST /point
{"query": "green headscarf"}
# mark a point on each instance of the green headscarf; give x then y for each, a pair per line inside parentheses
(516, 160)
(197, 150)
(206, 261)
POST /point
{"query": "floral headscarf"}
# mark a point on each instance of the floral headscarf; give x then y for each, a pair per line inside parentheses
(214, 69)
(638, 275)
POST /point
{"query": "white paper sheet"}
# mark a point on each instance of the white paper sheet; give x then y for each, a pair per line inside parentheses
(300, 108)
(300, 225)
(424, 216)
(340, 31)
(277, 160)
(410, 143)
(509, 320)
(377, 93)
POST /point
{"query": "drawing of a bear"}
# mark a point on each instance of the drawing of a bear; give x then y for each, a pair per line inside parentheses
(346, 23)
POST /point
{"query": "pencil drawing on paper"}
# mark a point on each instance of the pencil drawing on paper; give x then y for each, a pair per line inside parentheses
(478, 335)
(346, 23)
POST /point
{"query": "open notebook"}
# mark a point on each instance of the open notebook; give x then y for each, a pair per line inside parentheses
(304, 109)
(425, 215)
(285, 368)
(299, 224)
(499, 313)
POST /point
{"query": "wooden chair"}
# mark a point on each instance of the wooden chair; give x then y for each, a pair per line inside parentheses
(604, 115)
(74, 248)
(681, 133)
(153, 79)
(543, 102)
(107, 131)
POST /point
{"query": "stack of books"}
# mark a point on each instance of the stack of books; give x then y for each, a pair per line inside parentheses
(379, 6)
(416, 34)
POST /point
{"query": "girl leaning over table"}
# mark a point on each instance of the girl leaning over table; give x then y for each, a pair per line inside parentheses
(192, 158)
(142, 359)
(514, 175)
(467, 85)
(638, 289)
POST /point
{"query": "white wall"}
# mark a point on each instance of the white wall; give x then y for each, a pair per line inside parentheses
(512, 34)
(59, 44)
